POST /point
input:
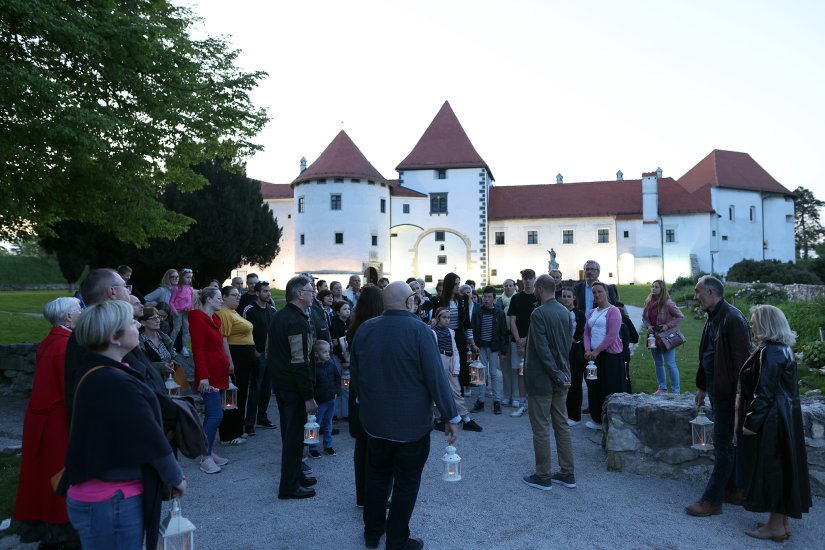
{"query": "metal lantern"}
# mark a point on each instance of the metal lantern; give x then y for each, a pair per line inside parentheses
(521, 367)
(452, 465)
(172, 387)
(345, 380)
(176, 532)
(229, 397)
(478, 374)
(651, 340)
(592, 371)
(311, 429)
(702, 430)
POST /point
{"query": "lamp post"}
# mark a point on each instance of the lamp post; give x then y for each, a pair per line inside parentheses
(702, 431)
(452, 465)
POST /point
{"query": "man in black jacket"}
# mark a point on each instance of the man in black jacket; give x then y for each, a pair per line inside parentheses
(260, 313)
(584, 294)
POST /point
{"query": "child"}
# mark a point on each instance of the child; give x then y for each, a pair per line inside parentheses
(327, 387)
(490, 324)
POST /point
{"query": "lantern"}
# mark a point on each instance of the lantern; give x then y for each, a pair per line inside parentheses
(651, 340)
(176, 532)
(311, 429)
(229, 397)
(521, 367)
(172, 387)
(452, 465)
(345, 380)
(592, 371)
(702, 429)
(477, 373)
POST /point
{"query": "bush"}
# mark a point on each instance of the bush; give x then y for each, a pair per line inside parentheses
(813, 355)
(806, 318)
(760, 294)
(682, 283)
(21, 270)
(772, 271)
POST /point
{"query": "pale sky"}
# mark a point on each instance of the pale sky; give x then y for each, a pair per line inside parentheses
(583, 88)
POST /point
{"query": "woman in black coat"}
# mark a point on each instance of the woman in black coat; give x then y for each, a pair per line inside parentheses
(769, 419)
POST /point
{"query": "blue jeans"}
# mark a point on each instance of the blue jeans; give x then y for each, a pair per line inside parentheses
(662, 358)
(212, 418)
(325, 413)
(113, 523)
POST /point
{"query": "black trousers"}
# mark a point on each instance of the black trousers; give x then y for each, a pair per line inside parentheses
(359, 460)
(400, 465)
(243, 357)
(575, 395)
(612, 379)
(292, 411)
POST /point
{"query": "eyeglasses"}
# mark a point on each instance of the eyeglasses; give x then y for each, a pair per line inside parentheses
(174, 276)
(233, 295)
(306, 290)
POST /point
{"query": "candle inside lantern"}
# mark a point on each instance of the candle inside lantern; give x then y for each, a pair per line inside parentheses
(702, 432)
(311, 430)
(452, 465)
(592, 371)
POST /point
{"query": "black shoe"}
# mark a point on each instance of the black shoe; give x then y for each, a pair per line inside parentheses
(439, 426)
(335, 431)
(314, 454)
(413, 544)
(472, 426)
(330, 451)
(266, 423)
(305, 469)
(478, 407)
(300, 492)
(307, 481)
(371, 543)
(496, 408)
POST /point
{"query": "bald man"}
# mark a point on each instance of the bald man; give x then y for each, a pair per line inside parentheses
(395, 370)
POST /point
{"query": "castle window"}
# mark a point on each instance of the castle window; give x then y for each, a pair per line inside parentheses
(532, 237)
(724, 237)
(370, 182)
(438, 203)
(493, 272)
(604, 236)
(405, 208)
(442, 260)
(355, 180)
(375, 240)
(567, 236)
(335, 202)
(752, 213)
(441, 174)
(302, 240)
(670, 235)
(300, 205)
(499, 237)
(441, 247)
(626, 234)
(339, 238)
(428, 278)
(439, 236)
(339, 180)
(322, 180)
(731, 213)
(383, 206)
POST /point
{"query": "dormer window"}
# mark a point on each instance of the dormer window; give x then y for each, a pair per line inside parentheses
(441, 174)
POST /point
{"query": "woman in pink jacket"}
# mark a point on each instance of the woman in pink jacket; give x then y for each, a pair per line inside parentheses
(603, 345)
(661, 314)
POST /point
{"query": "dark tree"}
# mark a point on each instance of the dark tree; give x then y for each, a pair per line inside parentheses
(808, 229)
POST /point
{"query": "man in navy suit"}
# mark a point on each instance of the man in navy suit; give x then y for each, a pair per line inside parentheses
(584, 294)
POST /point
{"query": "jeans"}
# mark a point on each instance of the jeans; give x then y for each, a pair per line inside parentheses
(396, 465)
(545, 410)
(324, 416)
(491, 359)
(662, 358)
(292, 411)
(112, 523)
(212, 418)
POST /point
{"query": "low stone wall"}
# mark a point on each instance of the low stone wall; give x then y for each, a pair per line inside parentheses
(795, 292)
(650, 435)
(17, 368)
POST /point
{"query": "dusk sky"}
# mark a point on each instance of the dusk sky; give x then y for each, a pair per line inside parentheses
(541, 87)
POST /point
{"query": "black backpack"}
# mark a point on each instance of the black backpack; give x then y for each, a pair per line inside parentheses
(187, 435)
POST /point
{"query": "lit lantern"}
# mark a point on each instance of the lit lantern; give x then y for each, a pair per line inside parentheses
(229, 397)
(452, 465)
(172, 387)
(176, 532)
(521, 367)
(311, 429)
(477, 373)
(592, 371)
(702, 428)
(345, 380)
(651, 340)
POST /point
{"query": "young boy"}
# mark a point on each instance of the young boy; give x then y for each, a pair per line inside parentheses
(327, 387)
(493, 341)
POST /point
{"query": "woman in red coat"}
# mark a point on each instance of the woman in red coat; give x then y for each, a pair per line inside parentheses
(41, 513)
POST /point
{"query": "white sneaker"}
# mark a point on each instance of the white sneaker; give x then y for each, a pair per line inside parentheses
(219, 460)
(592, 425)
(505, 402)
(518, 412)
(208, 466)
(236, 441)
(572, 422)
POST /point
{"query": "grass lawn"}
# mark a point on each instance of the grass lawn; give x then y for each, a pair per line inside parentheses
(643, 372)
(21, 315)
(28, 301)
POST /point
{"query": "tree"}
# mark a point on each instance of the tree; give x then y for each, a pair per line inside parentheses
(106, 104)
(808, 229)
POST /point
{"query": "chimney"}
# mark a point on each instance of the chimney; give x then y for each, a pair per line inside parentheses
(303, 164)
(659, 173)
(559, 179)
(619, 176)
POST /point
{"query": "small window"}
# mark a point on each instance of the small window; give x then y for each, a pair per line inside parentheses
(393, 234)
(370, 182)
(405, 208)
(439, 236)
(724, 237)
(440, 174)
(731, 213)
(713, 233)
(627, 234)
(567, 236)
(300, 205)
(532, 237)
(302, 240)
(442, 260)
(428, 278)
(335, 202)
(322, 180)
(789, 218)
(339, 238)
(604, 236)
(339, 180)
(354, 180)
(289, 216)
(752, 214)
(670, 235)
(438, 203)
(383, 206)
(375, 240)
(499, 237)
(493, 272)
(441, 248)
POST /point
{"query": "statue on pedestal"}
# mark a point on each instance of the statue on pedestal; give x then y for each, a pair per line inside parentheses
(552, 264)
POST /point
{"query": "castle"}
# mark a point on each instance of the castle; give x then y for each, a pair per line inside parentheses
(443, 213)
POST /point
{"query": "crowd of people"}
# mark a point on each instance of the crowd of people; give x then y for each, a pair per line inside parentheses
(393, 361)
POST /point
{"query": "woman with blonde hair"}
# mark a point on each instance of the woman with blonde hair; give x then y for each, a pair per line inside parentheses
(769, 427)
(661, 314)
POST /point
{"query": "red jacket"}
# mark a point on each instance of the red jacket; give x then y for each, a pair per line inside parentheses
(211, 362)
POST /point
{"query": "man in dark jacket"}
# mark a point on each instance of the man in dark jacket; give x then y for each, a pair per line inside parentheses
(492, 338)
(260, 313)
(724, 347)
(293, 378)
(584, 294)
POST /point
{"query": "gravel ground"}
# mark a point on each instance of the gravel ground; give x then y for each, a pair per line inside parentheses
(489, 508)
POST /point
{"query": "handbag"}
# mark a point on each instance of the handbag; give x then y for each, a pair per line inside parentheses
(670, 339)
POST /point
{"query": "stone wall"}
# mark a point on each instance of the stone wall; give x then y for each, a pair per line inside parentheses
(650, 435)
(17, 368)
(795, 292)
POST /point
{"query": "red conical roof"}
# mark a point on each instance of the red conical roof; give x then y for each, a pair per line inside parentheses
(341, 159)
(733, 170)
(443, 145)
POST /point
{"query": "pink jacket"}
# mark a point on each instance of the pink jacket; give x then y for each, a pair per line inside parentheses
(612, 342)
(181, 298)
(670, 316)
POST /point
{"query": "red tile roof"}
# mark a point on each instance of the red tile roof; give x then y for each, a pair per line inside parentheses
(341, 159)
(276, 190)
(397, 190)
(622, 199)
(444, 144)
(733, 170)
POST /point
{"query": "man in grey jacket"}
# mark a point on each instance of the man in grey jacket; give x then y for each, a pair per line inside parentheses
(395, 369)
(547, 377)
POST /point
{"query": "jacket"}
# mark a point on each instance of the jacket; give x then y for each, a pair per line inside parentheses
(291, 336)
(327, 380)
(581, 302)
(775, 465)
(463, 331)
(211, 362)
(501, 330)
(547, 355)
(670, 316)
(732, 344)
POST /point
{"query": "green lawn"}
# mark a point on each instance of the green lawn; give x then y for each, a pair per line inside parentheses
(28, 301)
(643, 372)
